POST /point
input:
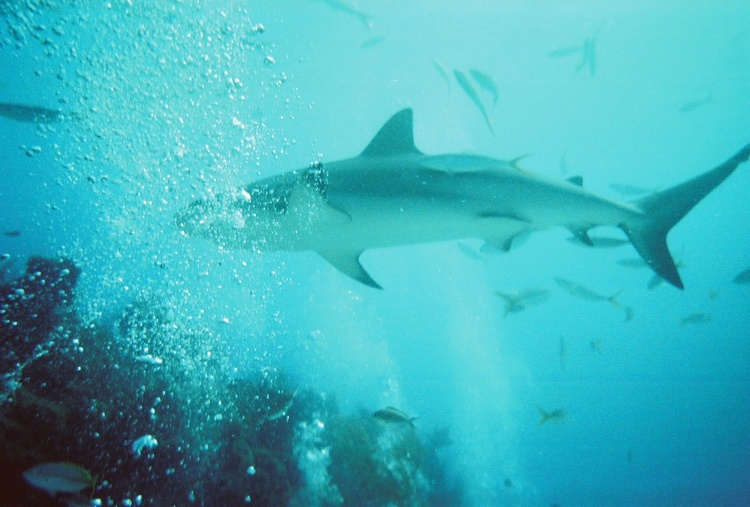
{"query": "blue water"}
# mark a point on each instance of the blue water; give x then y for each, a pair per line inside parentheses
(169, 102)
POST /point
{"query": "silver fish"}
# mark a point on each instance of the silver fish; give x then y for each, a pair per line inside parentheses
(487, 84)
(59, 477)
(393, 415)
(557, 415)
(466, 86)
(582, 292)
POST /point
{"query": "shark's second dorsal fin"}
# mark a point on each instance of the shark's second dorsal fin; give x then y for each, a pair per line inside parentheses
(575, 180)
(393, 138)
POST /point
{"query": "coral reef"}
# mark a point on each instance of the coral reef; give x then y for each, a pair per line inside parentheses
(147, 406)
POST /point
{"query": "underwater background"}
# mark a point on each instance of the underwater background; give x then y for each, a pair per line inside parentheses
(258, 374)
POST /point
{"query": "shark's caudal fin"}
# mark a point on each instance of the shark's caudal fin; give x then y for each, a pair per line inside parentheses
(664, 209)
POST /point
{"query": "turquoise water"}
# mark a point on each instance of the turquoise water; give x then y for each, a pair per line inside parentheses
(163, 103)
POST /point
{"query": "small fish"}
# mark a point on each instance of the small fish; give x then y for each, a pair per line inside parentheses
(12, 234)
(486, 83)
(557, 53)
(596, 346)
(713, 294)
(144, 442)
(371, 42)
(743, 278)
(443, 73)
(285, 403)
(692, 105)
(518, 301)
(587, 50)
(557, 415)
(148, 358)
(465, 84)
(654, 282)
(348, 7)
(632, 263)
(393, 415)
(585, 293)
(29, 114)
(695, 318)
(59, 477)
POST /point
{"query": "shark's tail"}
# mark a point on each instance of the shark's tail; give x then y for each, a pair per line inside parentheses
(662, 210)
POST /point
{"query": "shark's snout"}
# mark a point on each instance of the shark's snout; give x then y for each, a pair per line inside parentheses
(192, 218)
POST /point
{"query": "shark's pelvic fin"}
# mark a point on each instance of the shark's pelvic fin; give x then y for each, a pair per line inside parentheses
(503, 243)
(348, 263)
(582, 235)
(394, 138)
(663, 210)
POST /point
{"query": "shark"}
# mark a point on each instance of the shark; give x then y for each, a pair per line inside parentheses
(392, 194)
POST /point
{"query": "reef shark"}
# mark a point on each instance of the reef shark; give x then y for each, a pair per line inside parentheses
(392, 194)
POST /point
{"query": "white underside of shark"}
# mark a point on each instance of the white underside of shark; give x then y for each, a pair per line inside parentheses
(392, 194)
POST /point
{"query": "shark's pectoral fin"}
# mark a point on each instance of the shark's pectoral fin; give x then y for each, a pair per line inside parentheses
(348, 263)
(503, 243)
(308, 201)
(582, 235)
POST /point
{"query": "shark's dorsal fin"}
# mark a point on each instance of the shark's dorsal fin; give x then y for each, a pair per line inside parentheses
(393, 138)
